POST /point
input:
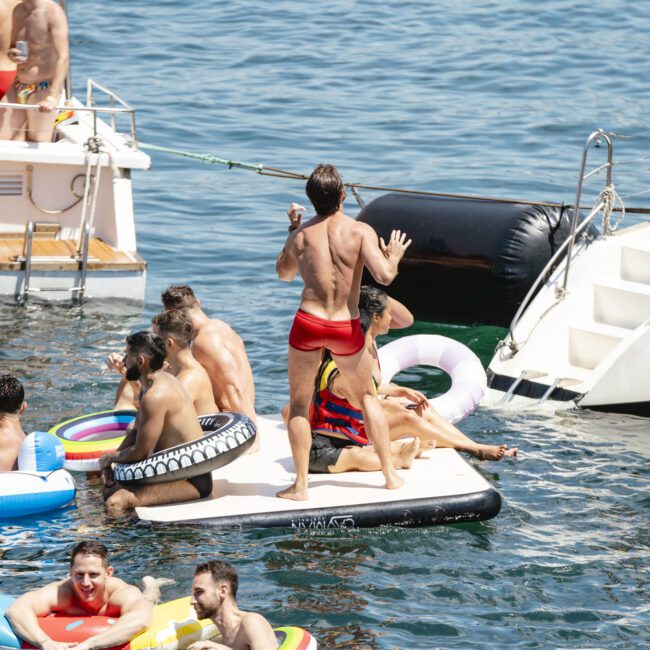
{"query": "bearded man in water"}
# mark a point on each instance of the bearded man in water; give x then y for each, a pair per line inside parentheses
(166, 418)
(90, 590)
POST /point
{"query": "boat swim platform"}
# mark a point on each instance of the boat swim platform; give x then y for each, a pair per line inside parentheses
(440, 488)
(61, 255)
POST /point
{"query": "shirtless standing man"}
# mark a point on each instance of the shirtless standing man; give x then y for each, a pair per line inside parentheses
(220, 350)
(41, 75)
(330, 251)
(214, 592)
(12, 406)
(91, 589)
(7, 66)
(166, 418)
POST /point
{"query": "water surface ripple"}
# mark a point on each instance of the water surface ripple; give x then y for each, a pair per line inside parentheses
(489, 98)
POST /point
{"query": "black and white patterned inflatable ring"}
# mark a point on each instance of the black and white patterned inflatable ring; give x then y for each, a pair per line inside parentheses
(228, 436)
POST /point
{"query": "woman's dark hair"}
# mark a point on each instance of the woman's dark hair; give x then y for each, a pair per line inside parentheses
(324, 189)
(148, 345)
(372, 301)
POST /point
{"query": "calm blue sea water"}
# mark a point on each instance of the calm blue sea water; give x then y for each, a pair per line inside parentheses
(490, 98)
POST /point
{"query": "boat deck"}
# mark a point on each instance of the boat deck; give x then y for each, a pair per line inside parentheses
(60, 255)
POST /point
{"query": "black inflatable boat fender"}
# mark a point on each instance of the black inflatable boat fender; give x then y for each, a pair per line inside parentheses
(228, 436)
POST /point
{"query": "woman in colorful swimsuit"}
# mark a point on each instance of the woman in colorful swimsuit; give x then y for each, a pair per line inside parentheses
(338, 437)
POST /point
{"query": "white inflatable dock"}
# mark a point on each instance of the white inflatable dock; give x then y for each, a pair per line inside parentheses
(441, 488)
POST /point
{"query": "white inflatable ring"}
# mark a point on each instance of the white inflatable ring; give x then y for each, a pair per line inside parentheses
(468, 379)
(227, 436)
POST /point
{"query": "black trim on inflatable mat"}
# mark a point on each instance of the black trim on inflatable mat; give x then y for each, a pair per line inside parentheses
(229, 435)
(455, 509)
(527, 388)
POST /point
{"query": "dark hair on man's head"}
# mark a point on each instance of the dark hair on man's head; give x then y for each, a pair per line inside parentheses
(372, 301)
(221, 572)
(175, 324)
(90, 548)
(12, 394)
(178, 296)
(324, 189)
(148, 345)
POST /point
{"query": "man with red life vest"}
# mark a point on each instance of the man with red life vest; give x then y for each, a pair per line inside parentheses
(90, 590)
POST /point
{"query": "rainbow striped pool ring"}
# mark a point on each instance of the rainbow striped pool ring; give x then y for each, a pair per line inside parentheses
(87, 437)
(294, 638)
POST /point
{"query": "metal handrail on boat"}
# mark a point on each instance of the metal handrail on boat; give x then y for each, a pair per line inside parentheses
(112, 110)
(569, 242)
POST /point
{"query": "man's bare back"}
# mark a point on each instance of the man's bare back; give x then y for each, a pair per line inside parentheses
(220, 350)
(331, 253)
(11, 438)
(196, 382)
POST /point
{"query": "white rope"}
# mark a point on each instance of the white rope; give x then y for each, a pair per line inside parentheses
(610, 197)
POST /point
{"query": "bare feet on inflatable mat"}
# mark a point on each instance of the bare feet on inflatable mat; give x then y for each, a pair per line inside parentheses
(294, 493)
(393, 480)
(406, 453)
(492, 452)
(151, 590)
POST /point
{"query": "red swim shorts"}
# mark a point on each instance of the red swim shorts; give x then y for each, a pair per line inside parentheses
(342, 337)
(6, 79)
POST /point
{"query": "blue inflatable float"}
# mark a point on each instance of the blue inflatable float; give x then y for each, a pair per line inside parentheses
(40, 483)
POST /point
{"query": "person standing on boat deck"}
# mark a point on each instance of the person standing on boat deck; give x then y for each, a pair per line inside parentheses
(90, 590)
(7, 66)
(214, 593)
(221, 351)
(40, 75)
(329, 252)
(12, 406)
(166, 418)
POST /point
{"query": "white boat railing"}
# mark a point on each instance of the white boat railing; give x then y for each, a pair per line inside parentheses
(569, 243)
(122, 108)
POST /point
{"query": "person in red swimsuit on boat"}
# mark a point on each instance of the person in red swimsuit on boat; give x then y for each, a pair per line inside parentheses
(7, 66)
(330, 252)
(91, 590)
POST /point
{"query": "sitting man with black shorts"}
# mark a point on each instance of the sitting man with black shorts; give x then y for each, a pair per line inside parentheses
(166, 418)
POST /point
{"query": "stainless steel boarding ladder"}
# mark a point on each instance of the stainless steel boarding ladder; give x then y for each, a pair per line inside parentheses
(27, 258)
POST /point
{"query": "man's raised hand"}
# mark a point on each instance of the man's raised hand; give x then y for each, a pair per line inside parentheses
(396, 246)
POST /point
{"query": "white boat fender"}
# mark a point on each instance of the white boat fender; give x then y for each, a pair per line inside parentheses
(228, 436)
(468, 379)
